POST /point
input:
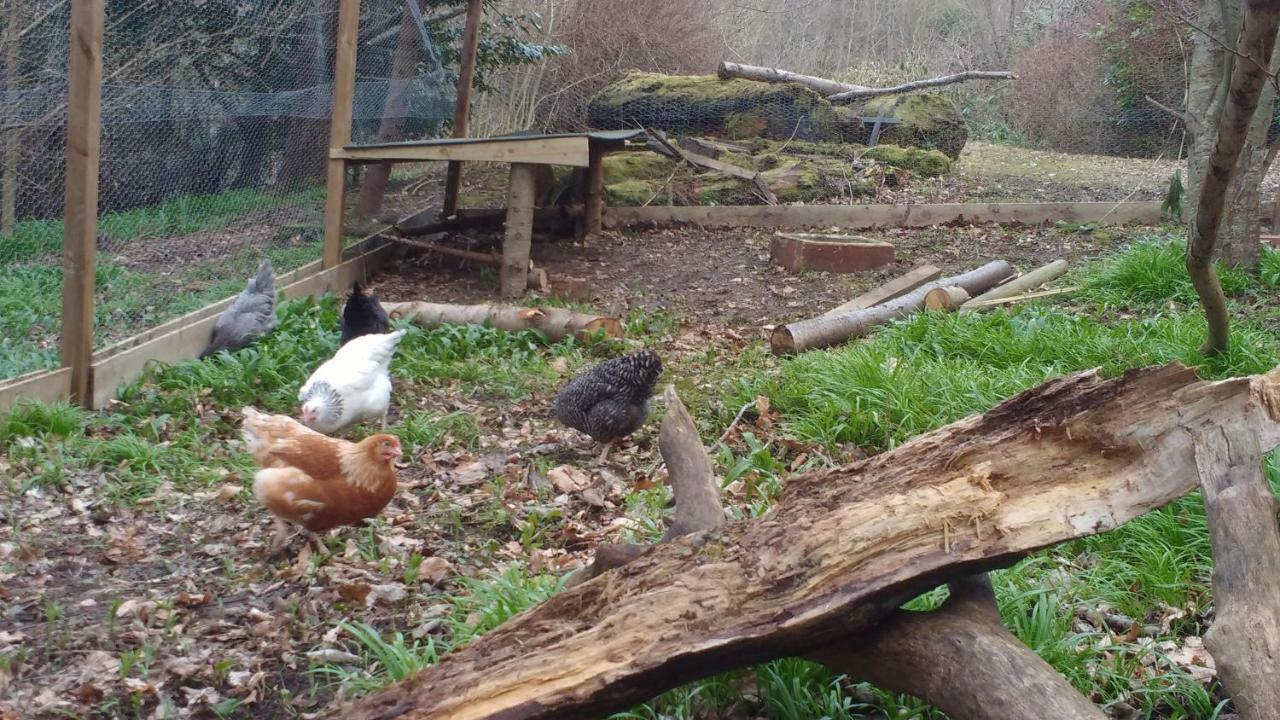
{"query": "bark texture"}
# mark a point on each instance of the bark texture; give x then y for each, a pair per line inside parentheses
(557, 323)
(1074, 457)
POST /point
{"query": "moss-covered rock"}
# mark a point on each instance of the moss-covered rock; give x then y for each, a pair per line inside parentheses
(925, 163)
(705, 104)
(928, 121)
(639, 165)
(631, 193)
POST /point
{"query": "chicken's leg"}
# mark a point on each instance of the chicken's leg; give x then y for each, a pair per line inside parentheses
(608, 445)
(281, 537)
(316, 541)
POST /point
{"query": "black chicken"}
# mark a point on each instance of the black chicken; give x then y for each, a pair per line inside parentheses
(362, 315)
(610, 401)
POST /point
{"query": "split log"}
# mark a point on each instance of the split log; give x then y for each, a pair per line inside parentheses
(556, 323)
(850, 96)
(828, 330)
(976, 305)
(894, 288)
(1030, 281)
(1245, 635)
(842, 547)
(961, 659)
(822, 86)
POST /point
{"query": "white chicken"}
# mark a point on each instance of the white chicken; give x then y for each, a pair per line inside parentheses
(352, 386)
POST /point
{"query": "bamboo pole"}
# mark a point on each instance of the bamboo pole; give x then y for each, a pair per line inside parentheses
(1019, 285)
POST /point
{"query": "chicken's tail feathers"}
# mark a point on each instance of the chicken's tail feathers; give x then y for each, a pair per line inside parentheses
(264, 281)
(357, 288)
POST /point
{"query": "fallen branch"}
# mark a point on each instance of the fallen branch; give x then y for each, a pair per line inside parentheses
(856, 95)
(556, 323)
(822, 86)
(842, 547)
(828, 330)
(1245, 635)
(724, 168)
(537, 276)
(894, 288)
(555, 220)
(1030, 281)
(961, 659)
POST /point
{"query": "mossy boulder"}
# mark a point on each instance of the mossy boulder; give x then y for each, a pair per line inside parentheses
(925, 163)
(705, 104)
(631, 193)
(921, 162)
(636, 165)
(928, 121)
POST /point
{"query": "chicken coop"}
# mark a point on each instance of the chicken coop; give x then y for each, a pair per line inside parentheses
(153, 158)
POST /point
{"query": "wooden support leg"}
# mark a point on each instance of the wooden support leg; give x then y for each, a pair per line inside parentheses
(1275, 214)
(593, 202)
(514, 274)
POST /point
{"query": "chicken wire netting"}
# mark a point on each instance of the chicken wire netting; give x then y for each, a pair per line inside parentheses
(215, 132)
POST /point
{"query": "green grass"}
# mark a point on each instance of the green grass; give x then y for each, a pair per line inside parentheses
(908, 378)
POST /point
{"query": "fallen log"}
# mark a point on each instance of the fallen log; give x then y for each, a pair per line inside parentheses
(1244, 638)
(850, 96)
(1019, 285)
(556, 323)
(828, 330)
(894, 288)
(1012, 299)
(822, 86)
(948, 298)
(1074, 457)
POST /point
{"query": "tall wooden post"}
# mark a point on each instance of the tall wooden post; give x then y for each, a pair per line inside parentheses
(513, 276)
(344, 88)
(593, 196)
(462, 109)
(80, 218)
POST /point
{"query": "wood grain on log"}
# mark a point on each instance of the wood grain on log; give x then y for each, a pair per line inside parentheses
(1074, 457)
(948, 298)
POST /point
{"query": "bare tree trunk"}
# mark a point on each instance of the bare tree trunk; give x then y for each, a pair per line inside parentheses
(391, 127)
(1212, 61)
(1256, 42)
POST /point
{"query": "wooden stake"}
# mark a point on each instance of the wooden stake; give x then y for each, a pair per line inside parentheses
(519, 239)
(462, 107)
(80, 238)
(593, 195)
(896, 287)
(344, 88)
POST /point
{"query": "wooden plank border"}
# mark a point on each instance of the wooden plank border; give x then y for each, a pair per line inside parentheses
(43, 385)
(186, 342)
(878, 216)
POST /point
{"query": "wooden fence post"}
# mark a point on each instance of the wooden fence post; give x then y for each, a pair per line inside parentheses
(80, 219)
(344, 87)
(462, 107)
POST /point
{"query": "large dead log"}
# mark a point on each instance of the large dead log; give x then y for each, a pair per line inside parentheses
(1245, 636)
(1071, 458)
(828, 330)
(556, 323)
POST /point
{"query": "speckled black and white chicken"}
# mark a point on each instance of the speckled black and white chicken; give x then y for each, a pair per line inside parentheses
(610, 401)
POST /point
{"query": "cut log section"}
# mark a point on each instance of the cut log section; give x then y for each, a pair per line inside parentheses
(829, 253)
(828, 330)
(948, 298)
(556, 323)
(842, 547)
(894, 288)
(1019, 285)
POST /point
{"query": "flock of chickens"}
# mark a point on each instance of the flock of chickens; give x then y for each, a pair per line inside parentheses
(318, 482)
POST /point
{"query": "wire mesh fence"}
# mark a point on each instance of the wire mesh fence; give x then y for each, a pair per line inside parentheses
(214, 137)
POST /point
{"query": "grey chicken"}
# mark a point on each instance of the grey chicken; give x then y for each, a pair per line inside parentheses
(251, 316)
(610, 401)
